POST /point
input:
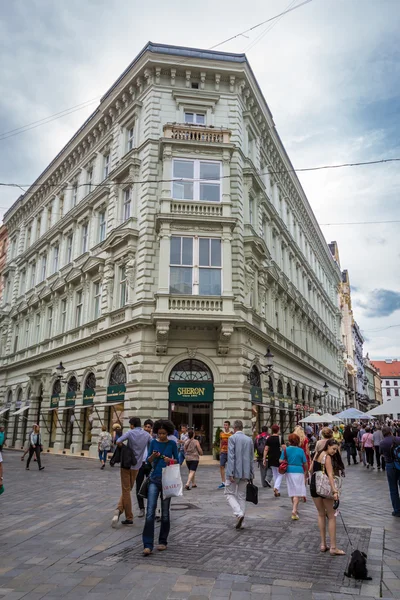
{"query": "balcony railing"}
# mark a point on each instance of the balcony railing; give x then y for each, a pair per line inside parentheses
(196, 133)
(196, 209)
(190, 304)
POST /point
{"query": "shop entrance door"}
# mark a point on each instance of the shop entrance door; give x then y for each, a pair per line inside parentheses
(198, 417)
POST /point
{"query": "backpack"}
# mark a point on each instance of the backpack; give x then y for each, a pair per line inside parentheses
(260, 445)
(396, 455)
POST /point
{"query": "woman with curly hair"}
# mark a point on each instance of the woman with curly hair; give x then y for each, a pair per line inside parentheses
(162, 452)
(328, 460)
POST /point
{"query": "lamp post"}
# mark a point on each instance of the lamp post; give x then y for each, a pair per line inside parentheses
(323, 394)
(60, 372)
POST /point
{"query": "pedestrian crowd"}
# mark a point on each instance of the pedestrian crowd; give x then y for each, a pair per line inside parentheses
(311, 457)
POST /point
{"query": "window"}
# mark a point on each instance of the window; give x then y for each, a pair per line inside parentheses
(63, 314)
(13, 247)
(79, 307)
(396, 383)
(49, 321)
(387, 382)
(103, 225)
(37, 328)
(49, 215)
(198, 180)
(33, 274)
(123, 289)
(188, 278)
(74, 194)
(16, 336)
(61, 206)
(97, 289)
(106, 165)
(127, 203)
(44, 267)
(89, 180)
(28, 237)
(38, 227)
(388, 392)
(26, 333)
(195, 118)
(85, 236)
(265, 231)
(70, 241)
(56, 254)
(22, 284)
(396, 392)
(7, 291)
(251, 210)
(130, 139)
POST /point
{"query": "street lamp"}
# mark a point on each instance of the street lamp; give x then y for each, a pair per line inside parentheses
(270, 361)
(60, 372)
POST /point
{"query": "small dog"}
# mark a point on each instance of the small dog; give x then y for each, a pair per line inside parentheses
(358, 566)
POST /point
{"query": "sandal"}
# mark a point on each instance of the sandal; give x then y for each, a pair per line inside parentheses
(276, 493)
(324, 548)
(295, 517)
(337, 552)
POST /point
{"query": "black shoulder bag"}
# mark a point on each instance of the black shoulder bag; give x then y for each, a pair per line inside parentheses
(251, 492)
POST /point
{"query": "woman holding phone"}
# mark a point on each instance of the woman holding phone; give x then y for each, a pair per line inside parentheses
(162, 452)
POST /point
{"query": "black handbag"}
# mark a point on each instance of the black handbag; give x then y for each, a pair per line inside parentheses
(144, 488)
(251, 492)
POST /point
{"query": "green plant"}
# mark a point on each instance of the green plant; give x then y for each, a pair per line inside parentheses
(217, 438)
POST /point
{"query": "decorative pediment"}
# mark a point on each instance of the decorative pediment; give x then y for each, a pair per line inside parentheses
(127, 167)
(73, 275)
(23, 306)
(46, 291)
(58, 284)
(92, 264)
(14, 311)
(34, 299)
(120, 236)
(196, 98)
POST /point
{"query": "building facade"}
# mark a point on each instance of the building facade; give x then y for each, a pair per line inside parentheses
(361, 397)
(3, 255)
(374, 383)
(389, 371)
(158, 257)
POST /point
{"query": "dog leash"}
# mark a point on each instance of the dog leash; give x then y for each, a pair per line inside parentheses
(345, 528)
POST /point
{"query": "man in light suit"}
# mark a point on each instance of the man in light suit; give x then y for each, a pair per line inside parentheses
(239, 469)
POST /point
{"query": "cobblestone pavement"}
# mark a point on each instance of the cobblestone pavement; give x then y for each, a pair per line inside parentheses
(56, 541)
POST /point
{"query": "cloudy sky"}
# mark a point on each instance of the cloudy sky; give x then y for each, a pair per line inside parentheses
(330, 73)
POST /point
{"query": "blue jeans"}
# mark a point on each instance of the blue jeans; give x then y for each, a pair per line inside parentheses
(155, 490)
(181, 457)
(393, 477)
(103, 455)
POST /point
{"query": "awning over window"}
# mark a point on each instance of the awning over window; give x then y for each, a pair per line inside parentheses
(21, 410)
(4, 410)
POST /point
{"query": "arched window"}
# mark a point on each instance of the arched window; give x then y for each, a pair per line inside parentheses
(19, 399)
(303, 395)
(289, 390)
(254, 376)
(56, 388)
(296, 392)
(270, 385)
(280, 387)
(9, 398)
(118, 374)
(90, 381)
(72, 384)
(28, 395)
(191, 370)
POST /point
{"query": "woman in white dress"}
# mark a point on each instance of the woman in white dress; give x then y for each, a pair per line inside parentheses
(297, 472)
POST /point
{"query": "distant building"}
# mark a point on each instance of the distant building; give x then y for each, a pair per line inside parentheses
(389, 371)
(373, 382)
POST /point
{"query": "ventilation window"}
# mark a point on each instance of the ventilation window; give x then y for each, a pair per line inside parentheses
(195, 85)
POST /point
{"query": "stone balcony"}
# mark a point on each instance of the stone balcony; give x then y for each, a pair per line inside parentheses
(181, 306)
(196, 133)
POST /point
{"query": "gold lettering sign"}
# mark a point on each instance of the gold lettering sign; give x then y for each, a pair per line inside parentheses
(191, 391)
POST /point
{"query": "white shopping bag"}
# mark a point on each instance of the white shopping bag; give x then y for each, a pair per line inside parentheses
(172, 481)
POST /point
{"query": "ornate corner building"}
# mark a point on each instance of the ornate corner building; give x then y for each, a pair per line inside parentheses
(158, 256)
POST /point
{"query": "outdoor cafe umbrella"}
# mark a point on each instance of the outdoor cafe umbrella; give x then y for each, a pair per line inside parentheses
(391, 407)
(352, 413)
(328, 418)
(313, 418)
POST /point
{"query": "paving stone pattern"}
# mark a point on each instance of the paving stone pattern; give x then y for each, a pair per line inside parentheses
(56, 541)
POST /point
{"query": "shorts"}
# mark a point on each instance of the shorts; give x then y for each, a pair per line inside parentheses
(223, 459)
(192, 465)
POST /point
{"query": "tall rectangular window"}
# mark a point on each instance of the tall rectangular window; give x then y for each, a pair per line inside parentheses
(37, 329)
(387, 382)
(195, 266)
(43, 267)
(85, 237)
(395, 383)
(33, 274)
(74, 194)
(102, 226)
(27, 327)
(56, 254)
(79, 309)
(16, 337)
(106, 165)
(61, 207)
(38, 227)
(396, 392)
(388, 392)
(130, 139)
(13, 248)
(22, 283)
(63, 314)
(127, 203)
(97, 291)
(70, 242)
(123, 289)
(195, 118)
(196, 180)
(49, 214)
(49, 321)
(89, 180)
(251, 210)
(28, 237)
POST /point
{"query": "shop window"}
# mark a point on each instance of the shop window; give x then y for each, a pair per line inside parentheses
(191, 369)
